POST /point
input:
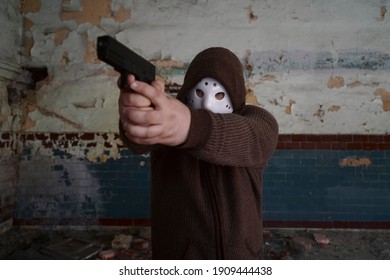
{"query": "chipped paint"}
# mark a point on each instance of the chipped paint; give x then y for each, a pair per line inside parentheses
(251, 98)
(288, 109)
(383, 12)
(90, 12)
(355, 162)
(30, 6)
(168, 64)
(334, 108)
(97, 147)
(90, 54)
(320, 114)
(385, 96)
(359, 84)
(335, 82)
(122, 14)
(251, 15)
(61, 35)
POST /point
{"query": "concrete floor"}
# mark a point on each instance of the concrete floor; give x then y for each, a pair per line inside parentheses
(43, 244)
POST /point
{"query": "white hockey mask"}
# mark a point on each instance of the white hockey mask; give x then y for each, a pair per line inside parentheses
(211, 95)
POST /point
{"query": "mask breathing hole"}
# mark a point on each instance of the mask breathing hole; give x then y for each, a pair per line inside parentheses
(220, 96)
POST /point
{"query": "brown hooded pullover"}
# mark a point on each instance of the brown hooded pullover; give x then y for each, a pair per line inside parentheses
(207, 192)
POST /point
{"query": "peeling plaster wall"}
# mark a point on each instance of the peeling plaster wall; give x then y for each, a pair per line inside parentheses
(292, 52)
(10, 35)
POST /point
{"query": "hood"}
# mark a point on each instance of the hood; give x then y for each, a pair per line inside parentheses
(222, 65)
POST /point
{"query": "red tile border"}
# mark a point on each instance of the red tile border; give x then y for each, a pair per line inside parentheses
(333, 142)
(328, 224)
(285, 141)
(120, 222)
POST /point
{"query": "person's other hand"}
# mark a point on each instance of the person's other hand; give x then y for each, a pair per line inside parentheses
(150, 116)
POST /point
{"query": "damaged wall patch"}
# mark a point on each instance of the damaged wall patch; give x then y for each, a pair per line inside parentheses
(355, 162)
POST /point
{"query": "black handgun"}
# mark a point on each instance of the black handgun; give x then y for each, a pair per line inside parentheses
(124, 60)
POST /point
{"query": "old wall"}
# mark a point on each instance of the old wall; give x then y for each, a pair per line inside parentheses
(10, 35)
(321, 67)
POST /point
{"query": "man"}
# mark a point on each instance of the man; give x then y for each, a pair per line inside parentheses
(207, 159)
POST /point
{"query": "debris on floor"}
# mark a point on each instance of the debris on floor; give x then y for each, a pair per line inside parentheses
(135, 244)
(127, 244)
(121, 241)
(72, 249)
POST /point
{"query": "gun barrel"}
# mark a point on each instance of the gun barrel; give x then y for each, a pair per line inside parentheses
(124, 60)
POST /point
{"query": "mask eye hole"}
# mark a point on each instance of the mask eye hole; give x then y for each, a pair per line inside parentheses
(220, 96)
(199, 93)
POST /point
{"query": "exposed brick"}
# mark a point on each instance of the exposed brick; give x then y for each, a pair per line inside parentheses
(92, 145)
(47, 145)
(107, 145)
(54, 136)
(75, 143)
(6, 136)
(30, 137)
(72, 136)
(41, 136)
(87, 136)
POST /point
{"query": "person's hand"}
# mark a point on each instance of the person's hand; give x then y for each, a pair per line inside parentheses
(150, 116)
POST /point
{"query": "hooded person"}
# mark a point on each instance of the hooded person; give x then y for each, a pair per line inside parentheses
(207, 191)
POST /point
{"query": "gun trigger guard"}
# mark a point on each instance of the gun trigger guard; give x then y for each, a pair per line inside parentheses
(123, 81)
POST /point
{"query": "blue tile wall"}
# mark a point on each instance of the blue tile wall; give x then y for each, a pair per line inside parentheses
(313, 186)
(65, 187)
(299, 185)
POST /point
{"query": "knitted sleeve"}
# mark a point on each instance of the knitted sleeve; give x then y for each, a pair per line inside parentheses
(248, 139)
